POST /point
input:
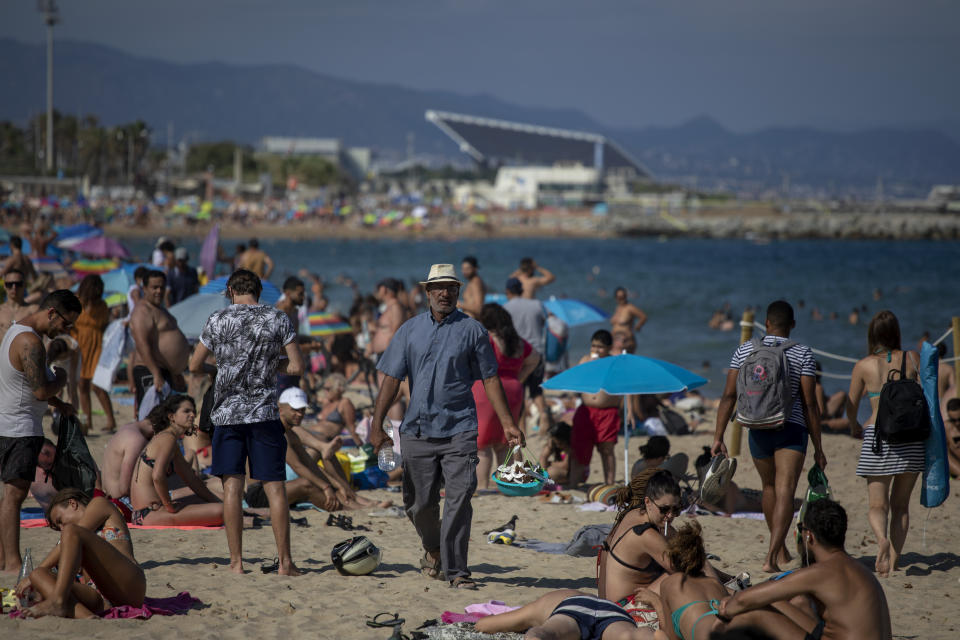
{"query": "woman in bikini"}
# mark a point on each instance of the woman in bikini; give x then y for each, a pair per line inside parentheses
(337, 413)
(633, 556)
(689, 601)
(94, 538)
(150, 496)
(892, 474)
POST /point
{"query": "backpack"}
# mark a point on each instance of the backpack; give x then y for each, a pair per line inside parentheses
(555, 344)
(673, 422)
(902, 414)
(764, 396)
(73, 466)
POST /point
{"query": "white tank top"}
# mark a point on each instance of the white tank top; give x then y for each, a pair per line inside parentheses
(21, 412)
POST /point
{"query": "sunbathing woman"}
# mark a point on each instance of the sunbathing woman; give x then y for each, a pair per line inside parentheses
(689, 600)
(633, 556)
(94, 538)
(149, 492)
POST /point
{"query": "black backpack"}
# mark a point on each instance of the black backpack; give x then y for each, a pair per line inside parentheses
(902, 414)
(73, 466)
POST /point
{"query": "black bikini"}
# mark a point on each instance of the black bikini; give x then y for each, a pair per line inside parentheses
(150, 462)
(653, 568)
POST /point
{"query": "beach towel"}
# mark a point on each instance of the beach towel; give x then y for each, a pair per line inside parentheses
(177, 605)
(585, 543)
(935, 485)
(111, 355)
(35, 523)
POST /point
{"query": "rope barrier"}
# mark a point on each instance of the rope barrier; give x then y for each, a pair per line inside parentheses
(943, 337)
(825, 354)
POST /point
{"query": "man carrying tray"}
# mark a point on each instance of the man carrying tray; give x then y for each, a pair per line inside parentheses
(442, 352)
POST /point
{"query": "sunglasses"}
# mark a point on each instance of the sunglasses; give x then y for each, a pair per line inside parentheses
(672, 510)
(66, 323)
(15, 283)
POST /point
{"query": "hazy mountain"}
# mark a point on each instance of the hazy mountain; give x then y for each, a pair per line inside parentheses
(211, 101)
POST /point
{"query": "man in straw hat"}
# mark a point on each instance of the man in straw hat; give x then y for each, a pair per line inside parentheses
(442, 352)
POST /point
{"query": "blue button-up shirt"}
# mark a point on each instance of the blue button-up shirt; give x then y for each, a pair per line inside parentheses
(442, 360)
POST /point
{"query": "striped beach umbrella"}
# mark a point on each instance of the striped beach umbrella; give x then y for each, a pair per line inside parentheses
(325, 324)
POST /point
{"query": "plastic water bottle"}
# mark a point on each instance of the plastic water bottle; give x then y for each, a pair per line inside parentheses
(25, 570)
(385, 459)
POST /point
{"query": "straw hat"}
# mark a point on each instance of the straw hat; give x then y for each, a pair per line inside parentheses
(441, 273)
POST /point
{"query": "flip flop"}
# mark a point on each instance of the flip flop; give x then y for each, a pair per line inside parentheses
(430, 568)
(271, 567)
(395, 621)
(464, 583)
(716, 478)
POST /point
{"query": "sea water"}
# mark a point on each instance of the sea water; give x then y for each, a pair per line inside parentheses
(678, 283)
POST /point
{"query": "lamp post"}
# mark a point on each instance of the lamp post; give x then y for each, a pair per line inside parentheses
(51, 16)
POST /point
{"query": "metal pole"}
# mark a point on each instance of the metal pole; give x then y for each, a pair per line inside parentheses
(956, 351)
(626, 444)
(49, 95)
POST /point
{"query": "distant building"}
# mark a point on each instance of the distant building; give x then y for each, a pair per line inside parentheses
(541, 165)
(354, 160)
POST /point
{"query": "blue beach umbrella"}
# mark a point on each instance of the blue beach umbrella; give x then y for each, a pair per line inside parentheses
(269, 295)
(192, 313)
(575, 312)
(623, 375)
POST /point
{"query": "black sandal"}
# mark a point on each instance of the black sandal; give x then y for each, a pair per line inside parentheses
(271, 567)
(395, 621)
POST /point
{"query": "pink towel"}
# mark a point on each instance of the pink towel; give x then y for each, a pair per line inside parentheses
(178, 605)
(33, 523)
(476, 611)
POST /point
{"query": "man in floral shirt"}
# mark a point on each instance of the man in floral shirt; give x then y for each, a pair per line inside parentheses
(249, 342)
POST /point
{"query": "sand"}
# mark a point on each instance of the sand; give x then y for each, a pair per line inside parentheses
(322, 604)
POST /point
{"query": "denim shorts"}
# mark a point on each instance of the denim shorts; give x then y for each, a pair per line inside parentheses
(791, 436)
(263, 443)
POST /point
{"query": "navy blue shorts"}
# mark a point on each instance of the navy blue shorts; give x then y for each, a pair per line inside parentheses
(592, 615)
(263, 443)
(791, 436)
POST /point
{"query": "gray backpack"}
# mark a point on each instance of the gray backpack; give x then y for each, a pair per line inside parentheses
(764, 397)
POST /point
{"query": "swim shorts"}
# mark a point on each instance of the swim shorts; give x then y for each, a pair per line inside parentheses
(592, 615)
(143, 380)
(18, 457)
(763, 443)
(262, 443)
(591, 426)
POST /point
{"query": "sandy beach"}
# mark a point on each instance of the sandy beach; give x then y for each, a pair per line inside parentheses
(324, 604)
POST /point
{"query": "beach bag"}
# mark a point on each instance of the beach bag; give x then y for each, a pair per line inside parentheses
(673, 422)
(902, 414)
(111, 355)
(764, 397)
(73, 466)
(817, 489)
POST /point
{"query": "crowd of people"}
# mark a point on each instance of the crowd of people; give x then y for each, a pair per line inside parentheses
(458, 383)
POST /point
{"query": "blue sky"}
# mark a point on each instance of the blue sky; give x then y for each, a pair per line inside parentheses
(747, 63)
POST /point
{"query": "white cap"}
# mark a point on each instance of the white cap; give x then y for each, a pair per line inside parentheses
(295, 397)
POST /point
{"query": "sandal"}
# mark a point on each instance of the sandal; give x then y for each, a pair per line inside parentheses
(464, 583)
(395, 621)
(271, 567)
(430, 568)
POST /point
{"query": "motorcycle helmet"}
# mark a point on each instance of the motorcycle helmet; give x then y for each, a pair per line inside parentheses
(355, 557)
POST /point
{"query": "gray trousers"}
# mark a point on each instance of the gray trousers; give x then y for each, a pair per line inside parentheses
(425, 462)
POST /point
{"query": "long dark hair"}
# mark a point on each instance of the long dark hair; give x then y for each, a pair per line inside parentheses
(497, 320)
(159, 416)
(62, 497)
(649, 483)
(686, 551)
(883, 333)
(90, 289)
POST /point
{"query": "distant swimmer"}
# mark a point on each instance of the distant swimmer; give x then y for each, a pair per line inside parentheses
(532, 276)
(475, 290)
(854, 317)
(627, 317)
(256, 260)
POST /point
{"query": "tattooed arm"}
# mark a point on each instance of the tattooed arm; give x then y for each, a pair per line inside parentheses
(30, 359)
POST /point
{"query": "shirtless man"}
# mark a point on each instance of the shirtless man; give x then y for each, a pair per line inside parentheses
(40, 238)
(475, 290)
(162, 352)
(392, 317)
(596, 422)
(256, 260)
(121, 454)
(528, 276)
(627, 317)
(294, 293)
(848, 599)
(14, 308)
(18, 261)
(952, 424)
